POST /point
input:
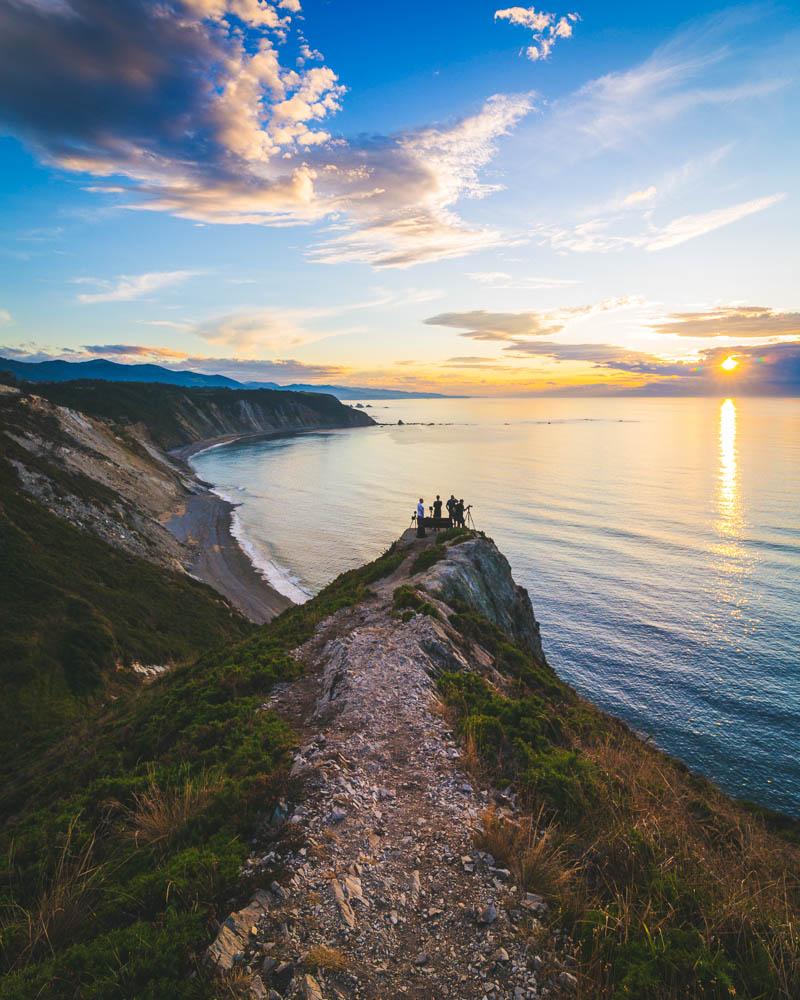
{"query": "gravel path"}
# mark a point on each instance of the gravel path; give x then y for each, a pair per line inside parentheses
(381, 876)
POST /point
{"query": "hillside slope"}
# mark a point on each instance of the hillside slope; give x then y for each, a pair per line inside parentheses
(94, 586)
(388, 792)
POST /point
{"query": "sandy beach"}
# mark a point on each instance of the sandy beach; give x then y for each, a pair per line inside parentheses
(204, 524)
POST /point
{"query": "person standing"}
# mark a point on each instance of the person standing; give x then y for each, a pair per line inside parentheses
(437, 508)
(459, 509)
(451, 508)
(421, 518)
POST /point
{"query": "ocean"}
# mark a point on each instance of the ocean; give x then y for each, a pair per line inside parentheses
(659, 540)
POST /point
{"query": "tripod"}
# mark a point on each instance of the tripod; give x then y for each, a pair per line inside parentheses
(470, 522)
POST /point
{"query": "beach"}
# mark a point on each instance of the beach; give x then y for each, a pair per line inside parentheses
(203, 523)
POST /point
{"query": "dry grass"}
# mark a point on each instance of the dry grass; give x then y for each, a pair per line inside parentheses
(321, 957)
(162, 811)
(667, 844)
(64, 902)
(534, 850)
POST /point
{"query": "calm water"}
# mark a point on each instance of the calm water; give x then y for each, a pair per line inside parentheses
(659, 540)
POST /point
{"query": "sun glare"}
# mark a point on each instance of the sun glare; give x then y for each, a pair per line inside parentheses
(729, 364)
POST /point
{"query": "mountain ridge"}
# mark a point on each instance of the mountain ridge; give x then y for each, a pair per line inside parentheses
(59, 370)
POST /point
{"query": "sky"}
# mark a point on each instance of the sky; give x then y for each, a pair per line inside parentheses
(457, 197)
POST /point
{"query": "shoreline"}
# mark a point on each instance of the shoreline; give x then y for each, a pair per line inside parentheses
(204, 524)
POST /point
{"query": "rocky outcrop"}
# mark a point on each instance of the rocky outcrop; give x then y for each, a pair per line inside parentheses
(477, 574)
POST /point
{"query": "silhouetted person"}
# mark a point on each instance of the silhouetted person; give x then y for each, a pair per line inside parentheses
(421, 518)
(459, 514)
(437, 507)
(451, 508)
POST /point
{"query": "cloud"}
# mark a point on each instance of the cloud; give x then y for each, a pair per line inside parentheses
(546, 28)
(641, 197)
(688, 227)
(702, 66)
(732, 321)
(133, 351)
(478, 324)
(481, 325)
(131, 286)
(254, 370)
(597, 236)
(5, 317)
(501, 279)
(399, 192)
(186, 106)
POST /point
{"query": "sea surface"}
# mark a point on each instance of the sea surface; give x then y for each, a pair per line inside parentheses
(659, 541)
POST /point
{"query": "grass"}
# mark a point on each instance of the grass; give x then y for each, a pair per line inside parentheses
(320, 957)
(122, 846)
(73, 609)
(161, 811)
(409, 602)
(671, 890)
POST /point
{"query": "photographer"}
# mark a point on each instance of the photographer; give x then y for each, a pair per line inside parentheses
(421, 518)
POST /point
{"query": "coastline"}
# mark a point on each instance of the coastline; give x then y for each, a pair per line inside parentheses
(204, 523)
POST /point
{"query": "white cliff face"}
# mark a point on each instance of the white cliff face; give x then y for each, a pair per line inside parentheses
(388, 874)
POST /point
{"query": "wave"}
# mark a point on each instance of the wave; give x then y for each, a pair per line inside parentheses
(277, 576)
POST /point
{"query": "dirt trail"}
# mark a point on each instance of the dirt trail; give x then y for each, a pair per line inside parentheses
(387, 875)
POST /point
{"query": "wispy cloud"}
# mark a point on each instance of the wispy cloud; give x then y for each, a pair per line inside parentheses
(689, 227)
(546, 29)
(130, 286)
(515, 327)
(600, 236)
(702, 66)
(501, 279)
(642, 197)
(732, 321)
(5, 317)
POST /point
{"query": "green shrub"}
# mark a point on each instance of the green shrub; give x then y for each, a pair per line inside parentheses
(428, 557)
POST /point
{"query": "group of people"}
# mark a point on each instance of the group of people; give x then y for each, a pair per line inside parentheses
(455, 514)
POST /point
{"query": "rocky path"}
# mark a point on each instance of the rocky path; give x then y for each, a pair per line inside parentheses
(383, 892)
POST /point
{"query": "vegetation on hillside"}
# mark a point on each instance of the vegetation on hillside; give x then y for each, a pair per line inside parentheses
(73, 609)
(123, 846)
(671, 890)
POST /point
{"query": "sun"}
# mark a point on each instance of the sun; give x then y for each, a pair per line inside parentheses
(729, 364)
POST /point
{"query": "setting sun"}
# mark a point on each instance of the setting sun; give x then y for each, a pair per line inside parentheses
(729, 364)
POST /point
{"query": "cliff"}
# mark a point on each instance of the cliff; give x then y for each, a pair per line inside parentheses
(105, 537)
(179, 418)
(388, 792)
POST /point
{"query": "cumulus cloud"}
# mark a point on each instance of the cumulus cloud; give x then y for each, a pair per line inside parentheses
(599, 236)
(732, 321)
(130, 286)
(186, 106)
(546, 28)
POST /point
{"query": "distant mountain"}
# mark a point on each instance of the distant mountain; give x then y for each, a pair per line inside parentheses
(113, 371)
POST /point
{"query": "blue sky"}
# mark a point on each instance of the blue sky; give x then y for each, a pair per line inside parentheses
(468, 196)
